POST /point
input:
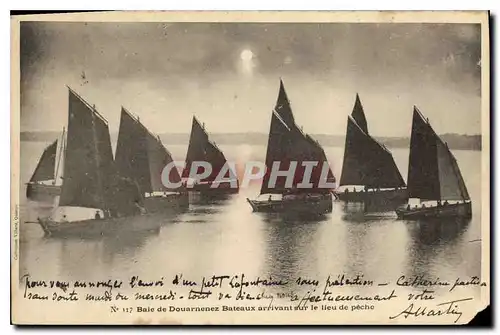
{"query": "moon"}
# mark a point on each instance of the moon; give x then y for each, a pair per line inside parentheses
(246, 55)
(247, 62)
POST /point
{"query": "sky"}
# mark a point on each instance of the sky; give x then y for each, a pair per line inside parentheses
(227, 74)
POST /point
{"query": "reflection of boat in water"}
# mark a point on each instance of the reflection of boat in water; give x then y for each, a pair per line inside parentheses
(92, 257)
(369, 164)
(436, 231)
(202, 150)
(142, 157)
(45, 183)
(360, 212)
(433, 176)
(302, 217)
(288, 148)
(290, 249)
(94, 198)
(436, 247)
(209, 198)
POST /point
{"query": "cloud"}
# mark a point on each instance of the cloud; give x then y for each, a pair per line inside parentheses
(186, 67)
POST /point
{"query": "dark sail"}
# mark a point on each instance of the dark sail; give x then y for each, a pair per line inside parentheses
(202, 149)
(305, 148)
(318, 155)
(44, 169)
(46, 165)
(287, 143)
(131, 155)
(277, 150)
(451, 183)
(433, 172)
(283, 107)
(367, 162)
(423, 173)
(159, 157)
(358, 115)
(196, 148)
(461, 184)
(141, 156)
(88, 166)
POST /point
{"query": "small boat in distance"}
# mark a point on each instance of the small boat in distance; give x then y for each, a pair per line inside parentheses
(95, 199)
(45, 183)
(368, 163)
(287, 144)
(201, 149)
(434, 177)
(141, 157)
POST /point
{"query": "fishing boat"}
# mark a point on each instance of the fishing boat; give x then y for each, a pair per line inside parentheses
(45, 183)
(221, 180)
(94, 199)
(141, 157)
(288, 144)
(369, 173)
(434, 178)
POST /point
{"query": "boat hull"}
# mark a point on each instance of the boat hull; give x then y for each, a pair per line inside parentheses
(221, 189)
(170, 203)
(42, 192)
(99, 227)
(321, 204)
(387, 196)
(450, 210)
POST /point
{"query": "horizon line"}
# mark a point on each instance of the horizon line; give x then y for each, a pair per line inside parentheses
(257, 133)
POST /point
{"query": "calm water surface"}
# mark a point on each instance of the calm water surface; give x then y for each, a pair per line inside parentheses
(228, 238)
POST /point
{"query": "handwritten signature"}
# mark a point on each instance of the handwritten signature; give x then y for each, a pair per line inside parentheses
(444, 308)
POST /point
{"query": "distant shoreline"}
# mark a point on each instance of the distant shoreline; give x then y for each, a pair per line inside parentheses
(454, 141)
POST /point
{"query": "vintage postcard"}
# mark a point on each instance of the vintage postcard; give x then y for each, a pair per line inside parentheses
(250, 168)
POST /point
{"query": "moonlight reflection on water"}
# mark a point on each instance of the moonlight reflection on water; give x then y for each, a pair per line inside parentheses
(226, 237)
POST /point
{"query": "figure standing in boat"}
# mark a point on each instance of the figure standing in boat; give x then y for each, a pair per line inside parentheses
(298, 178)
(434, 178)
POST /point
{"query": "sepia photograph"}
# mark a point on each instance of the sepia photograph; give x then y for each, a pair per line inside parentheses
(244, 168)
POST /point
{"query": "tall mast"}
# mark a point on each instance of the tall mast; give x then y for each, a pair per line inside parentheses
(61, 154)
